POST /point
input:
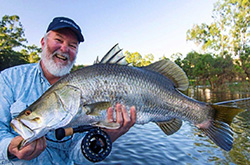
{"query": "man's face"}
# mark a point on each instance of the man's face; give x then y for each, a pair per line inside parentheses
(59, 51)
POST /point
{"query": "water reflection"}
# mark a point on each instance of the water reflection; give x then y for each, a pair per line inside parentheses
(207, 95)
(147, 144)
(241, 123)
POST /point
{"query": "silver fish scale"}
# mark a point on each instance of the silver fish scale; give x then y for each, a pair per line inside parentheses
(153, 95)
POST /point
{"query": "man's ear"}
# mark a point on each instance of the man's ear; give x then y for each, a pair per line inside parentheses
(42, 43)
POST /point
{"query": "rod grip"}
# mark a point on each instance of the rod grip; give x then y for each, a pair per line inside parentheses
(63, 132)
(69, 131)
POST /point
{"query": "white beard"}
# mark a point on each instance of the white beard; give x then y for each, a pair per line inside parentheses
(56, 69)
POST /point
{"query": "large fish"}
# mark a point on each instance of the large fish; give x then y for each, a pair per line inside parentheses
(82, 98)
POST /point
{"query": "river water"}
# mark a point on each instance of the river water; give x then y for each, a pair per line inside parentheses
(147, 144)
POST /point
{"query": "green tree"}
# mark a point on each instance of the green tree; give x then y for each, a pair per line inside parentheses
(11, 36)
(207, 68)
(229, 32)
(12, 39)
(31, 53)
(224, 70)
(11, 33)
(228, 35)
(189, 62)
(9, 58)
(203, 69)
(137, 60)
(243, 63)
(177, 57)
(198, 67)
(237, 18)
(209, 37)
(76, 67)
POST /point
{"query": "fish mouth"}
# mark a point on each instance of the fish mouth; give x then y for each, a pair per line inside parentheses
(22, 129)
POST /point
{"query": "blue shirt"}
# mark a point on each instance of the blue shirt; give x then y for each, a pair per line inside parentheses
(20, 86)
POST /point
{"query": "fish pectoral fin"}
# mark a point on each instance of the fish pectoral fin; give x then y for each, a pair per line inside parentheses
(95, 108)
(171, 126)
(107, 125)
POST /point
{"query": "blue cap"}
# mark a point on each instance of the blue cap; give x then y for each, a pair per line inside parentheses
(63, 22)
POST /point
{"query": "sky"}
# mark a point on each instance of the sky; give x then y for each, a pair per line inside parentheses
(155, 27)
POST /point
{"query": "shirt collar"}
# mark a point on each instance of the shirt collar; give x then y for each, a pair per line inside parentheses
(40, 72)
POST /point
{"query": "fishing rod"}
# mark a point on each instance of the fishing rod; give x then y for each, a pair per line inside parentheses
(95, 146)
(232, 101)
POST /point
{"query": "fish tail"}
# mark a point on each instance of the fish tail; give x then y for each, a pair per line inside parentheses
(218, 129)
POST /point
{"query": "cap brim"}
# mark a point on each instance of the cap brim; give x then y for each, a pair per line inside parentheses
(77, 32)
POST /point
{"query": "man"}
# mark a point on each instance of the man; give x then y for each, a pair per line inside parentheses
(22, 85)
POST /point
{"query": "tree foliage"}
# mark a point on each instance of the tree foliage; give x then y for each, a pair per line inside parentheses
(12, 39)
(11, 33)
(137, 60)
(228, 38)
(76, 67)
(228, 33)
(243, 63)
(208, 69)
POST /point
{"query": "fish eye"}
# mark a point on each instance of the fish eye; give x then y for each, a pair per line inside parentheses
(27, 112)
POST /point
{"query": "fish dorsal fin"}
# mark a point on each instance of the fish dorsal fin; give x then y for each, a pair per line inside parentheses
(171, 126)
(113, 56)
(171, 71)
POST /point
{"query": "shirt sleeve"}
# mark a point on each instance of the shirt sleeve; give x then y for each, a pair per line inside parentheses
(6, 99)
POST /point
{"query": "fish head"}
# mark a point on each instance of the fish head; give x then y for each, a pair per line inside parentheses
(30, 124)
(38, 119)
(51, 111)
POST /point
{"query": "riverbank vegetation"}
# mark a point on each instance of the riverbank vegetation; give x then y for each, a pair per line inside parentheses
(223, 59)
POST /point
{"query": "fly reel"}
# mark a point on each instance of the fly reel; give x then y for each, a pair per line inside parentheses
(95, 146)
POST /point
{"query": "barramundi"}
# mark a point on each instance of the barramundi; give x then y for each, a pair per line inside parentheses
(83, 96)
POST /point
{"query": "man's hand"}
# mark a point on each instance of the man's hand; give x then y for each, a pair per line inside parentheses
(28, 152)
(123, 118)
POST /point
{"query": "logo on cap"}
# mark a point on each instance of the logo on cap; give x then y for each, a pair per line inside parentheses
(68, 22)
